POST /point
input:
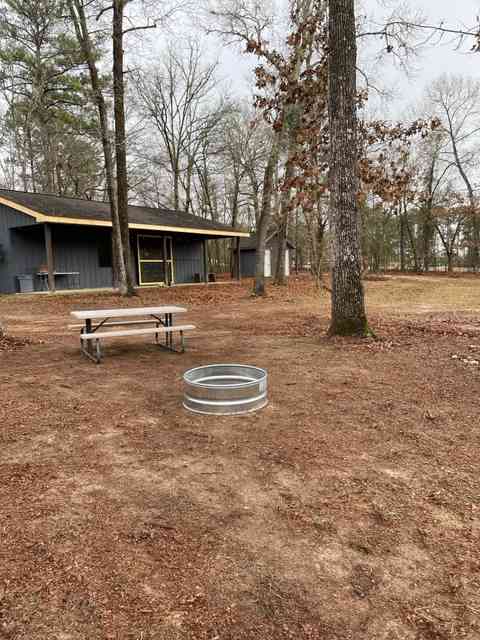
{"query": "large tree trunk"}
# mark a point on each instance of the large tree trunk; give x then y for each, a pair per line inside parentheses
(348, 303)
(280, 271)
(79, 20)
(476, 237)
(316, 225)
(265, 217)
(280, 276)
(285, 197)
(402, 240)
(32, 160)
(176, 185)
(471, 197)
(411, 239)
(449, 255)
(49, 161)
(120, 138)
(427, 240)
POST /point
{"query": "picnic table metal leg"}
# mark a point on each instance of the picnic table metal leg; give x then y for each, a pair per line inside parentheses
(88, 329)
(98, 351)
(88, 349)
(168, 336)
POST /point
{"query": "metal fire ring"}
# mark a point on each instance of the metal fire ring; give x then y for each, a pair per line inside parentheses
(225, 389)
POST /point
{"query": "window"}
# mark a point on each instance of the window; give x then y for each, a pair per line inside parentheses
(105, 253)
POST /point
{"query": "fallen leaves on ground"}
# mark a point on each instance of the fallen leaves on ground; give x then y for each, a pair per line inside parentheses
(7, 343)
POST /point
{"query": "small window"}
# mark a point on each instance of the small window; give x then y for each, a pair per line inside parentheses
(105, 253)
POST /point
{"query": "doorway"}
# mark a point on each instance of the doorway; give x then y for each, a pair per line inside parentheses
(155, 260)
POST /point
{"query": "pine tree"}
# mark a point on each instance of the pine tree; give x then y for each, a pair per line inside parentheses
(48, 108)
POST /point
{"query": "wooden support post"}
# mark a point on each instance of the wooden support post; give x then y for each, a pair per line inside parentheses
(166, 264)
(238, 274)
(205, 260)
(50, 257)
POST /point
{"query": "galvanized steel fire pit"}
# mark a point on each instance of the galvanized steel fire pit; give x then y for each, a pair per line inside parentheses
(225, 389)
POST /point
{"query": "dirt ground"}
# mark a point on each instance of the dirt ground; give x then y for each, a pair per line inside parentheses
(349, 508)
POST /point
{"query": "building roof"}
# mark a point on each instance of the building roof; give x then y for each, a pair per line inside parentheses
(250, 244)
(62, 210)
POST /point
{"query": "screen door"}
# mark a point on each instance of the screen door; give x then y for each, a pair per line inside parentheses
(155, 261)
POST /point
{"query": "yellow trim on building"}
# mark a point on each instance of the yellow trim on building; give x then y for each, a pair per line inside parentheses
(19, 207)
(41, 217)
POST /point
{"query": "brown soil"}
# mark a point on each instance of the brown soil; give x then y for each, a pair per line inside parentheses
(7, 343)
(349, 508)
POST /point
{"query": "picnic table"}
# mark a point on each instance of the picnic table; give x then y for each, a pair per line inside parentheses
(155, 321)
(43, 275)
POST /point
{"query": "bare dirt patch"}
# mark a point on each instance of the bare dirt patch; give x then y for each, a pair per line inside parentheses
(348, 509)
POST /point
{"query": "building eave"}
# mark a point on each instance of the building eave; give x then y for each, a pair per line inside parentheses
(43, 218)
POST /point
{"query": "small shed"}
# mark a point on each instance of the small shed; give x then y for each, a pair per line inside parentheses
(248, 255)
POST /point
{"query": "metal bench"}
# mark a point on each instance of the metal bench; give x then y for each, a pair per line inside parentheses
(96, 337)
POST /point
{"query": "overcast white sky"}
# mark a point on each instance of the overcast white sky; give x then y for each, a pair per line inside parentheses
(434, 60)
(236, 68)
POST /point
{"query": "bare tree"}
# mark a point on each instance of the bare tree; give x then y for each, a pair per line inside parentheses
(180, 98)
(449, 219)
(457, 100)
(304, 57)
(432, 172)
(248, 22)
(316, 219)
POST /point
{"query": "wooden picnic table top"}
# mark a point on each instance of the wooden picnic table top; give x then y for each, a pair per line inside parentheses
(96, 314)
(59, 273)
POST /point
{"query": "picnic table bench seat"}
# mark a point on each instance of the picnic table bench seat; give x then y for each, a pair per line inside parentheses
(97, 335)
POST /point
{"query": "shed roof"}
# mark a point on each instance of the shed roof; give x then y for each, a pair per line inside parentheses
(62, 210)
(250, 244)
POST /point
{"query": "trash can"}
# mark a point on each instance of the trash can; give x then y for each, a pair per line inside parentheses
(25, 283)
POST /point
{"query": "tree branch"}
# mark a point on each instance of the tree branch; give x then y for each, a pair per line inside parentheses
(146, 26)
(104, 10)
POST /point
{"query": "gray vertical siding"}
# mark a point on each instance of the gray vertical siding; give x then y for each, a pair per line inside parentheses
(76, 249)
(15, 254)
(187, 259)
(28, 249)
(248, 263)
